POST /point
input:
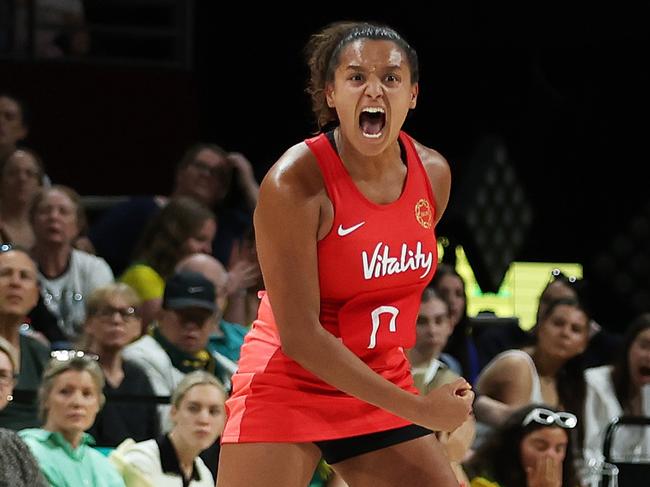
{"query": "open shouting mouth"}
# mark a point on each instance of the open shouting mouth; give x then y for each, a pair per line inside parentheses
(372, 121)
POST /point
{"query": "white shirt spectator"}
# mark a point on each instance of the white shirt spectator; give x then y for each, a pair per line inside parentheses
(144, 465)
(65, 295)
(601, 407)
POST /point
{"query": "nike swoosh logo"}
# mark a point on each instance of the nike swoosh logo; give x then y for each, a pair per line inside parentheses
(194, 289)
(346, 231)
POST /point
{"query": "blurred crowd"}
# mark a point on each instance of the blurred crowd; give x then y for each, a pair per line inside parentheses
(119, 337)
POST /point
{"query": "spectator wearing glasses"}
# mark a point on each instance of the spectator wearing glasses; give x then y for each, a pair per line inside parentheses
(19, 468)
(18, 296)
(532, 448)
(69, 399)
(177, 343)
(222, 181)
(112, 323)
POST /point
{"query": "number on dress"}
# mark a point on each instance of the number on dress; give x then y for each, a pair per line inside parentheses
(392, 325)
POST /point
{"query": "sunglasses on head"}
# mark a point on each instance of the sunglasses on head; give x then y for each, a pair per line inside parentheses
(557, 274)
(66, 355)
(547, 417)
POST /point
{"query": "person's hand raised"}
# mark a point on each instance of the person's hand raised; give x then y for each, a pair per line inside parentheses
(547, 472)
(242, 167)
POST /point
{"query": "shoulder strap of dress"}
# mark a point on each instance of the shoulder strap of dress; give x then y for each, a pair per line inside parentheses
(328, 160)
(536, 386)
(331, 166)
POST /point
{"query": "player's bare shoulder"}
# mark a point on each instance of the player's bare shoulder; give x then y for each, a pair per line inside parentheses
(434, 162)
(295, 174)
(292, 197)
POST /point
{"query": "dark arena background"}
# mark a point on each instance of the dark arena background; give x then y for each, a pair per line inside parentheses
(543, 116)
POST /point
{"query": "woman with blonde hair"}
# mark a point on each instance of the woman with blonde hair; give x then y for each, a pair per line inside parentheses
(69, 399)
(112, 322)
(173, 460)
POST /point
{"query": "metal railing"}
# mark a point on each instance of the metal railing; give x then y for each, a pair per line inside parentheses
(148, 33)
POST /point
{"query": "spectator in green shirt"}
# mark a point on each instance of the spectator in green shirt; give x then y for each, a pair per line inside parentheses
(70, 397)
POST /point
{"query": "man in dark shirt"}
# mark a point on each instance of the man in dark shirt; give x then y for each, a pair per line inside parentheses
(18, 295)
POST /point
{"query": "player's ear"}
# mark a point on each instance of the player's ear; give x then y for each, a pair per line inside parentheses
(329, 96)
(414, 95)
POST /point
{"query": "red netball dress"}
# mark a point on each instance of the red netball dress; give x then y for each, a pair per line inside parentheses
(373, 266)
